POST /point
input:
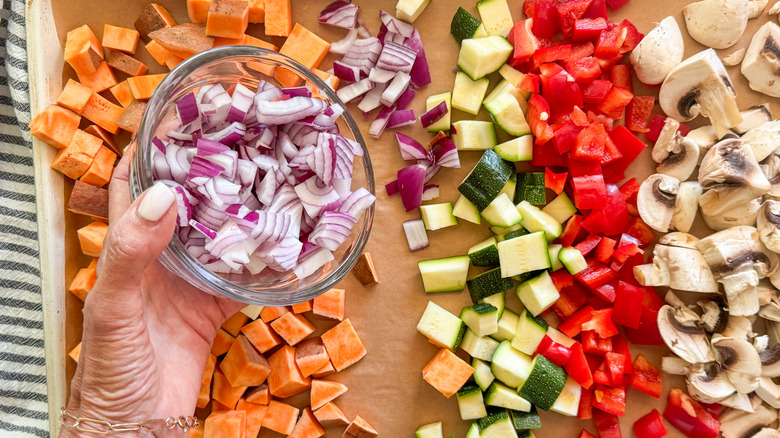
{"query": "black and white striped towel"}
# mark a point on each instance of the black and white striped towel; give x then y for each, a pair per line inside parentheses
(23, 408)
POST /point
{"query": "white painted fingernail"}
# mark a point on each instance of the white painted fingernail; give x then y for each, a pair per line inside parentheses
(156, 202)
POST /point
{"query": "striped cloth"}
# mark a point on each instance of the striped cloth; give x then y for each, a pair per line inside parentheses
(23, 408)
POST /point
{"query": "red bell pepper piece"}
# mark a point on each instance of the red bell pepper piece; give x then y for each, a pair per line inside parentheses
(582, 50)
(595, 91)
(545, 18)
(601, 323)
(628, 305)
(610, 400)
(633, 37)
(687, 415)
(589, 29)
(531, 83)
(604, 251)
(621, 76)
(629, 189)
(569, 12)
(642, 232)
(638, 113)
(650, 426)
(572, 326)
(589, 191)
(584, 69)
(571, 299)
(601, 376)
(646, 378)
(524, 42)
(714, 409)
(605, 292)
(585, 434)
(597, 9)
(595, 275)
(595, 223)
(585, 411)
(597, 302)
(594, 344)
(566, 136)
(552, 53)
(626, 274)
(647, 333)
(578, 117)
(615, 212)
(571, 231)
(555, 181)
(611, 152)
(589, 244)
(556, 353)
(601, 118)
(538, 117)
(615, 364)
(609, 43)
(615, 102)
(616, 4)
(590, 143)
(561, 91)
(654, 127)
(628, 247)
(545, 155)
(562, 279)
(620, 345)
(630, 147)
(577, 366)
(608, 63)
(606, 424)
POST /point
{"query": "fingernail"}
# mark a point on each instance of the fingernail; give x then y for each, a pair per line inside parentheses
(156, 202)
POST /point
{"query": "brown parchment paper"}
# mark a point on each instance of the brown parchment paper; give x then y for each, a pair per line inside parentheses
(386, 387)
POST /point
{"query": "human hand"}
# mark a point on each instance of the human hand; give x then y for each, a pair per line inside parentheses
(147, 333)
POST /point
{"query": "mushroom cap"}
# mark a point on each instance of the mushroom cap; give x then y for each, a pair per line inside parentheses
(768, 224)
(713, 315)
(738, 402)
(737, 327)
(707, 383)
(681, 160)
(761, 65)
(741, 362)
(705, 137)
(754, 117)
(716, 23)
(770, 361)
(736, 424)
(740, 214)
(766, 432)
(763, 138)
(656, 199)
(688, 271)
(686, 340)
(756, 8)
(737, 249)
(658, 52)
(771, 169)
(679, 239)
(686, 206)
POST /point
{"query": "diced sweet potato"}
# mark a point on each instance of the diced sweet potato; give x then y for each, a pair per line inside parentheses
(173, 62)
(280, 417)
(198, 10)
(324, 391)
(233, 324)
(332, 80)
(100, 80)
(75, 159)
(293, 328)
(249, 40)
(130, 120)
(120, 38)
(184, 40)
(256, 11)
(254, 417)
(258, 395)
(227, 18)
(108, 139)
(222, 342)
(84, 281)
(125, 63)
(224, 393)
(286, 379)
(261, 335)
(143, 86)
(158, 52)
(359, 428)
(325, 371)
(197, 431)
(89, 200)
(103, 113)
(270, 313)
(75, 353)
(218, 407)
(447, 372)
(343, 345)
(331, 304)
(219, 41)
(83, 50)
(310, 356)
(74, 96)
(153, 17)
(123, 94)
(307, 426)
(204, 395)
(303, 307)
(99, 173)
(364, 269)
(278, 18)
(243, 365)
(55, 126)
(329, 415)
(91, 238)
(229, 424)
(305, 47)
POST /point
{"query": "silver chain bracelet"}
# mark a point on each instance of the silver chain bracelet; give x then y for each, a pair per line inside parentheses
(102, 427)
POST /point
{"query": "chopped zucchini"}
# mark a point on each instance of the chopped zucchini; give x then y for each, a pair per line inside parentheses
(535, 220)
(507, 326)
(568, 402)
(530, 332)
(482, 318)
(512, 234)
(444, 275)
(478, 347)
(481, 56)
(572, 259)
(441, 326)
(544, 384)
(501, 212)
(466, 26)
(496, 17)
(561, 208)
(517, 149)
(502, 396)
(530, 187)
(504, 87)
(510, 366)
(438, 216)
(483, 184)
(496, 425)
(470, 402)
(523, 254)
(473, 135)
(526, 420)
(473, 431)
(508, 114)
(465, 210)
(514, 78)
(501, 231)
(498, 300)
(409, 11)
(482, 374)
(509, 187)
(488, 283)
(484, 253)
(467, 95)
(432, 430)
(442, 124)
(538, 294)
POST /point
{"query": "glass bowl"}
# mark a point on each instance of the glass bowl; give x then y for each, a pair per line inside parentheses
(247, 65)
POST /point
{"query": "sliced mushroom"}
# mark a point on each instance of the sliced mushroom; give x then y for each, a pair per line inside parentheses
(769, 392)
(705, 137)
(739, 402)
(766, 432)
(733, 58)
(717, 23)
(768, 224)
(652, 274)
(770, 310)
(770, 361)
(674, 365)
(774, 10)
(681, 160)
(707, 383)
(686, 206)
(731, 176)
(771, 168)
(741, 290)
(753, 117)
(656, 199)
(679, 239)
(756, 8)
(658, 52)
(740, 361)
(743, 424)
(688, 270)
(711, 316)
(735, 250)
(761, 66)
(741, 214)
(686, 339)
(701, 85)
(774, 278)
(738, 327)
(763, 139)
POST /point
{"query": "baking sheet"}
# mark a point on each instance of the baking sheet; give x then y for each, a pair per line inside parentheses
(386, 387)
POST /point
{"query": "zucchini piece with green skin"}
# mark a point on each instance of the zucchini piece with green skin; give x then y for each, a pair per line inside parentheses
(482, 318)
(483, 377)
(410, 10)
(510, 366)
(478, 347)
(443, 124)
(441, 326)
(496, 17)
(558, 336)
(444, 275)
(568, 402)
(496, 425)
(466, 26)
(498, 300)
(523, 254)
(507, 326)
(544, 384)
(509, 187)
(432, 430)
(512, 235)
(473, 431)
(488, 283)
(470, 402)
(535, 219)
(561, 208)
(504, 87)
(517, 149)
(479, 57)
(553, 250)
(501, 212)
(484, 253)
(521, 278)
(530, 187)
(501, 231)
(538, 294)
(526, 420)
(529, 333)
(573, 260)
(438, 216)
(502, 396)
(483, 184)
(474, 135)
(526, 434)
(508, 114)
(465, 210)
(467, 95)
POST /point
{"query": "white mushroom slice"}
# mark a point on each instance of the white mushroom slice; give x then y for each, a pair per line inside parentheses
(740, 361)
(774, 10)
(658, 52)
(767, 293)
(656, 199)
(712, 315)
(686, 340)
(686, 206)
(736, 250)
(741, 291)
(679, 239)
(736, 327)
(674, 365)
(766, 432)
(666, 137)
(733, 58)
(761, 66)
(774, 278)
(771, 168)
(739, 402)
(739, 424)
(769, 392)
(652, 274)
(770, 311)
(688, 271)
(701, 85)
(768, 224)
(753, 117)
(708, 384)
(763, 139)
(717, 23)
(741, 214)
(705, 137)
(682, 158)
(770, 360)
(756, 7)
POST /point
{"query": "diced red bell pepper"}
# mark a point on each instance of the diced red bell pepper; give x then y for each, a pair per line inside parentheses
(610, 400)
(582, 50)
(642, 232)
(578, 117)
(545, 155)
(684, 129)
(646, 378)
(615, 212)
(531, 83)
(524, 42)
(538, 117)
(633, 37)
(638, 113)
(562, 279)
(606, 424)
(621, 76)
(555, 181)
(601, 118)
(589, 29)
(611, 152)
(585, 434)
(630, 147)
(594, 344)
(615, 102)
(628, 247)
(571, 231)
(647, 333)
(595, 275)
(556, 353)
(566, 136)
(595, 91)
(714, 409)
(605, 249)
(654, 127)
(597, 9)
(601, 323)
(552, 53)
(589, 244)
(601, 376)
(571, 299)
(615, 364)
(561, 92)
(545, 17)
(620, 345)
(687, 415)
(608, 63)
(585, 410)
(584, 69)
(628, 305)
(626, 274)
(597, 302)
(616, 4)
(609, 43)
(577, 366)
(589, 192)
(572, 326)
(595, 223)
(590, 143)
(629, 189)
(650, 425)
(569, 12)
(606, 292)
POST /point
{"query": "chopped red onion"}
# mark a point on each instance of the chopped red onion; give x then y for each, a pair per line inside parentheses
(373, 99)
(357, 202)
(410, 148)
(410, 185)
(395, 25)
(381, 76)
(313, 261)
(444, 153)
(391, 188)
(341, 47)
(393, 91)
(434, 114)
(243, 98)
(187, 109)
(406, 98)
(352, 91)
(340, 14)
(430, 192)
(380, 123)
(416, 235)
(396, 57)
(402, 118)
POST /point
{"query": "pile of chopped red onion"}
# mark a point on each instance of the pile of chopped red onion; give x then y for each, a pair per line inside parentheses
(262, 179)
(383, 71)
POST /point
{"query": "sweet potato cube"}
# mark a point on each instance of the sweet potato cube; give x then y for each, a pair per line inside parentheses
(75, 159)
(75, 353)
(293, 328)
(224, 393)
(173, 62)
(261, 335)
(249, 40)
(120, 38)
(74, 96)
(229, 424)
(227, 18)
(258, 395)
(280, 417)
(286, 379)
(83, 50)
(158, 52)
(204, 395)
(332, 80)
(307, 426)
(305, 47)
(447, 372)
(310, 356)
(91, 238)
(330, 304)
(254, 417)
(123, 94)
(233, 324)
(130, 120)
(329, 415)
(303, 307)
(99, 173)
(198, 10)
(89, 200)
(219, 41)
(219, 407)
(343, 345)
(153, 17)
(55, 126)
(270, 313)
(325, 371)
(143, 86)
(278, 18)
(184, 39)
(197, 431)
(108, 139)
(256, 11)
(100, 80)
(222, 342)
(125, 63)
(324, 391)
(364, 269)
(103, 113)
(84, 281)
(359, 428)
(243, 365)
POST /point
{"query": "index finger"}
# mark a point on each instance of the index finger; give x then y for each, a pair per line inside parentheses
(119, 189)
